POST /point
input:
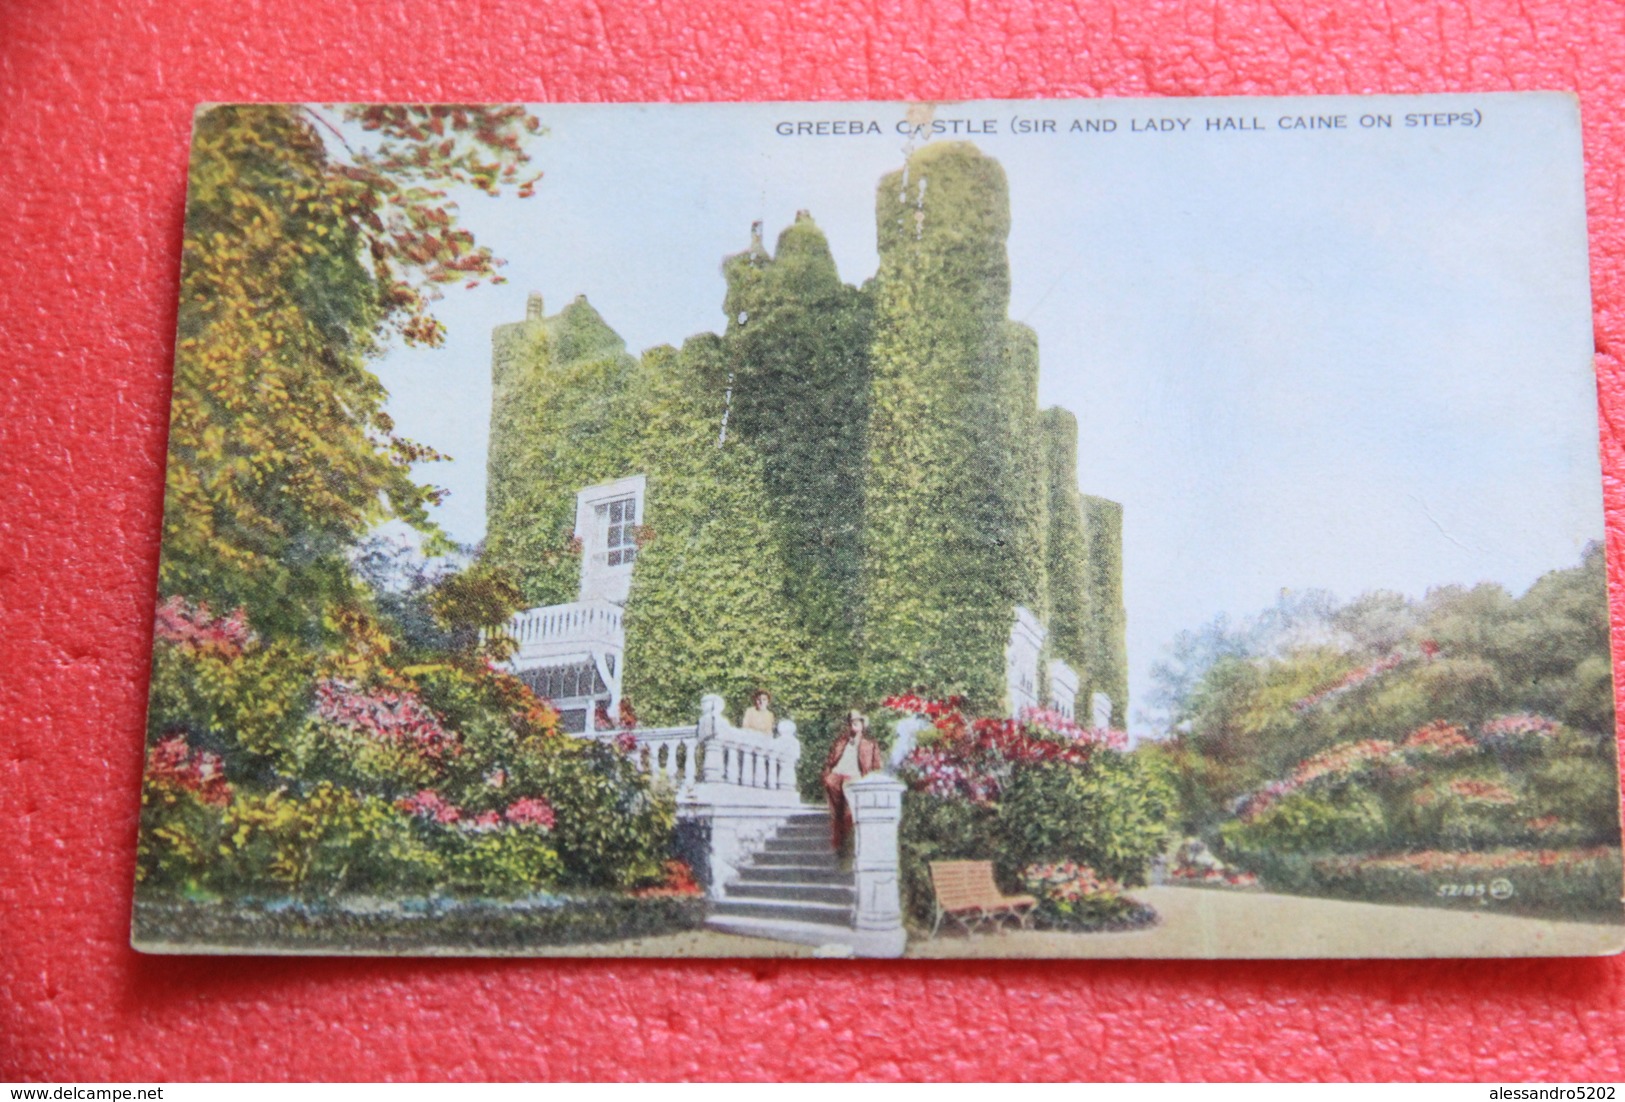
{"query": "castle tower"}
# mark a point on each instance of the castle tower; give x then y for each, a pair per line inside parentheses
(797, 345)
(955, 505)
(559, 422)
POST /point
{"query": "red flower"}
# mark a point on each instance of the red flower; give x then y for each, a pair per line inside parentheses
(194, 628)
(530, 812)
(390, 716)
(429, 804)
(1439, 739)
(678, 880)
(172, 763)
(485, 820)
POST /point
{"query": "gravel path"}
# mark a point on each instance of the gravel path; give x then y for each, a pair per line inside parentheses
(1202, 922)
(1198, 922)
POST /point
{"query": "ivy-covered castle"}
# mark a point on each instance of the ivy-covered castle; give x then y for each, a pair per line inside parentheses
(850, 492)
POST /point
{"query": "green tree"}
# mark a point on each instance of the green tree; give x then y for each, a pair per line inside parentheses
(304, 254)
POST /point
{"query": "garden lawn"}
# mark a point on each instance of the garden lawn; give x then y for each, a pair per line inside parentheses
(1201, 923)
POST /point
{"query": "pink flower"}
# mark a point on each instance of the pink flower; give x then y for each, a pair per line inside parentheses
(1356, 677)
(173, 763)
(1520, 729)
(194, 628)
(1439, 739)
(428, 804)
(484, 821)
(1482, 792)
(388, 716)
(531, 812)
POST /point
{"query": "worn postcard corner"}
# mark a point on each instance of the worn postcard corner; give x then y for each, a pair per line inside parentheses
(1163, 528)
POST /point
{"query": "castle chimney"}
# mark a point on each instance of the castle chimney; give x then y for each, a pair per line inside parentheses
(803, 216)
(533, 307)
(756, 234)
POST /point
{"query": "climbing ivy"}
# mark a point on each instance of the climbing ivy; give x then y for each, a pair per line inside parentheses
(564, 415)
(1067, 548)
(849, 490)
(1106, 668)
(952, 524)
(797, 350)
(708, 607)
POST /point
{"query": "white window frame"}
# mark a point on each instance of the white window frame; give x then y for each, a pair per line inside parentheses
(598, 577)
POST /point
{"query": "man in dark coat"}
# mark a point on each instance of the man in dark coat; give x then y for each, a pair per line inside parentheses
(854, 755)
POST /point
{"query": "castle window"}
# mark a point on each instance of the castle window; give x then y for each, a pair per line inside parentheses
(621, 518)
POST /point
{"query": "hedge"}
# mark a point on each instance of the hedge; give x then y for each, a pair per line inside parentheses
(414, 926)
(1571, 885)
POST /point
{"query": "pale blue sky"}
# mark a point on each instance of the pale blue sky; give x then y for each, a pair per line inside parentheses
(1345, 359)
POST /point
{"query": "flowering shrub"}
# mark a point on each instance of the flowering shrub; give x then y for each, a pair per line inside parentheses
(1338, 763)
(1072, 895)
(195, 628)
(1213, 878)
(394, 717)
(1050, 720)
(174, 767)
(1034, 791)
(938, 772)
(678, 881)
(1194, 863)
(484, 859)
(530, 812)
(1521, 731)
(325, 842)
(182, 829)
(1473, 790)
(974, 758)
(1572, 883)
(1065, 880)
(393, 758)
(1439, 739)
(1351, 680)
(430, 805)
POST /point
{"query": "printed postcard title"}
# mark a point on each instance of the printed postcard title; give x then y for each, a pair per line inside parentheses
(1149, 123)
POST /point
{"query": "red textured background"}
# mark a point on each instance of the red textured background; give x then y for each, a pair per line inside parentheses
(95, 103)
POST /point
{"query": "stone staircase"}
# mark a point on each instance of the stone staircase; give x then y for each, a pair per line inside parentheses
(793, 889)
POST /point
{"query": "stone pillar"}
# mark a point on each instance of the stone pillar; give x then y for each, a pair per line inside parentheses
(877, 810)
(710, 715)
(789, 747)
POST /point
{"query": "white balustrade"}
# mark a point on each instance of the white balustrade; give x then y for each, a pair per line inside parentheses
(580, 623)
(731, 764)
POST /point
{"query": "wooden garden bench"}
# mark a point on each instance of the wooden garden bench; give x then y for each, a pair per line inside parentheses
(967, 894)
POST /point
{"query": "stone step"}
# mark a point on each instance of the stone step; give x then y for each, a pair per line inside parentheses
(780, 844)
(825, 860)
(816, 833)
(833, 941)
(826, 914)
(829, 873)
(778, 891)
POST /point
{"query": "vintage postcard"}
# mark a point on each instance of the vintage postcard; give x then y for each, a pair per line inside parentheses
(1163, 528)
